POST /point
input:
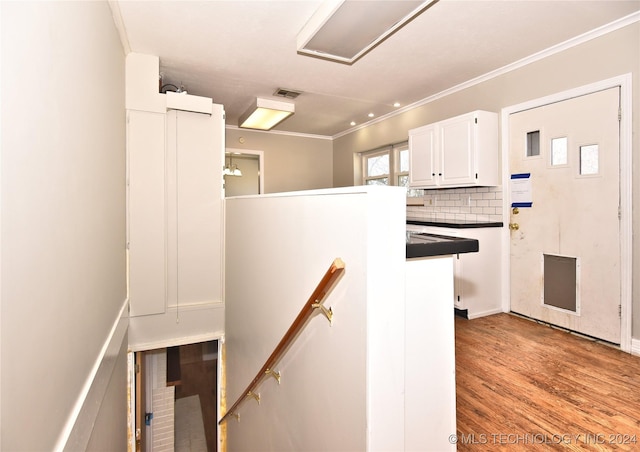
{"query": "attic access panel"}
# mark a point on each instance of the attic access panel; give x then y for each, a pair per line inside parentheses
(344, 30)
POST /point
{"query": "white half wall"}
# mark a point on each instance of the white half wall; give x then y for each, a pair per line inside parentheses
(342, 384)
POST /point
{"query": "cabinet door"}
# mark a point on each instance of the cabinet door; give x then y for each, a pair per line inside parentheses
(457, 151)
(423, 157)
(194, 208)
(146, 212)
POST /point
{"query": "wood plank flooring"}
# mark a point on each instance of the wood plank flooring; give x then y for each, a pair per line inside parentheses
(522, 385)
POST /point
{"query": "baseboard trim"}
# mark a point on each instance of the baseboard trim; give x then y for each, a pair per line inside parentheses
(635, 347)
(78, 428)
(476, 315)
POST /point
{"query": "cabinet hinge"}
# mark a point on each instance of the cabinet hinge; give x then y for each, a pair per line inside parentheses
(137, 368)
(458, 297)
(147, 418)
(619, 114)
(620, 311)
(476, 175)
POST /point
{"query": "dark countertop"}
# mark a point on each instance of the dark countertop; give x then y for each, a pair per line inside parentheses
(425, 245)
(455, 224)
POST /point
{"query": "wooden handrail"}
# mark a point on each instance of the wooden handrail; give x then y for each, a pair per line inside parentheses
(324, 286)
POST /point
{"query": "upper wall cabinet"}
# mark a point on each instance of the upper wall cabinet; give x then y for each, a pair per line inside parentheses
(457, 152)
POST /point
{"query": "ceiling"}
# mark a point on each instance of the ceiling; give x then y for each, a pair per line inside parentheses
(234, 51)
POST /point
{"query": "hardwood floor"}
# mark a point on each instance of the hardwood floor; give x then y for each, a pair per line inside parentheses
(526, 386)
(199, 377)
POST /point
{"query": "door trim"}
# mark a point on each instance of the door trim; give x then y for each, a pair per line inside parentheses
(260, 155)
(626, 240)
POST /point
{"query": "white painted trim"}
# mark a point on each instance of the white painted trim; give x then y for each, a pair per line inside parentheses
(113, 340)
(626, 238)
(219, 337)
(119, 23)
(173, 342)
(282, 132)
(131, 383)
(635, 347)
(581, 39)
(484, 313)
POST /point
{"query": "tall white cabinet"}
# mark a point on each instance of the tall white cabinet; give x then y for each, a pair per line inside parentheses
(458, 152)
(175, 209)
(175, 155)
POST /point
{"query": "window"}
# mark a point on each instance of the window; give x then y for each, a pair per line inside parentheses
(533, 143)
(388, 165)
(589, 159)
(377, 168)
(559, 155)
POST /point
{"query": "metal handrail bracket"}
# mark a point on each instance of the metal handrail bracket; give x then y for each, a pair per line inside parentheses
(314, 302)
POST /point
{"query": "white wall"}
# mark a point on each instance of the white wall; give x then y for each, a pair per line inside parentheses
(342, 385)
(63, 215)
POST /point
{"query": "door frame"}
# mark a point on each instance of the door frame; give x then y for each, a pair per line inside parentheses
(260, 155)
(626, 241)
(131, 383)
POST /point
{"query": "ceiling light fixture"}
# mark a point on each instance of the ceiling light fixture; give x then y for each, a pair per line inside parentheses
(231, 169)
(337, 31)
(265, 114)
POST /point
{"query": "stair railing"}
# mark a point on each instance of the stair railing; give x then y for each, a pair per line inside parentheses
(314, 302)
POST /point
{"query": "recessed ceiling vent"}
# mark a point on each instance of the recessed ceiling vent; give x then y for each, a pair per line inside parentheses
(289, 94)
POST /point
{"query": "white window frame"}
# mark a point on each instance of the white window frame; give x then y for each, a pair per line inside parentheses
(377, 153)
(393, 150)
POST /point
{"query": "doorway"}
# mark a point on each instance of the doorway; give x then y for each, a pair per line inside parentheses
(244, 172)
(176, 400)
(563, 230)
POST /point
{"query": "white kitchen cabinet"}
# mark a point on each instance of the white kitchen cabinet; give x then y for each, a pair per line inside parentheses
(477, 286)
(476, 282)
(174, 209)
(422, 157)
(457, 152)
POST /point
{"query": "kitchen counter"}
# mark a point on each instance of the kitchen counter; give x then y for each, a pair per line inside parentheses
(457, 224)
(426, 245)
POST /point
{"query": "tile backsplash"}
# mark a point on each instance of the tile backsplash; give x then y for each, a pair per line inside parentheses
(468, 204)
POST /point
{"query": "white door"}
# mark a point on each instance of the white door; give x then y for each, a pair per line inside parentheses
(565, 248)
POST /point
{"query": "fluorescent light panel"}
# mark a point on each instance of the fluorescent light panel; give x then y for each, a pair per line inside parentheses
(344, 30)
(265, 114)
